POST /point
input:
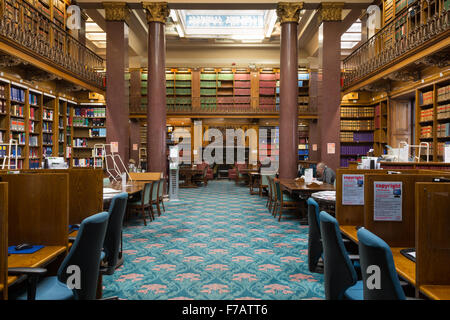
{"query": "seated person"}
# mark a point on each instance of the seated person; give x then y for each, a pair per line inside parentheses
(325, 174)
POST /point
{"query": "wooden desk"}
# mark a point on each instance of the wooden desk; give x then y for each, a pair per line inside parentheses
(405, 267)
(40, 258)
(131, 187)
(436, 292)
(292, 185)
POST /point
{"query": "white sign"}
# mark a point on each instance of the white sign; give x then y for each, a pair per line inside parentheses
(114, 146)
(447, 153)
(331, 148)
(353, 189)
(308, 175)
(387, 201)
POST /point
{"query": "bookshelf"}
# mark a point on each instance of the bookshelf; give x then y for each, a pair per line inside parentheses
(442, 117)
(89, 128)
(266, 143)
(208, 89)
(381, 132)
(303, 141)
(242, 89)
(267, 89)
(425, 117)
(226, 90)
(303, 90)
(34, 130)
(357, 131)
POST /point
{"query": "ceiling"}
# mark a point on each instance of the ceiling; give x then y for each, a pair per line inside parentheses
(197, 37)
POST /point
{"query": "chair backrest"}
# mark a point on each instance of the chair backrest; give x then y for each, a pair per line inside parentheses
(313, 215)
(155, 190)
(373, 251)
(146, 194)
(111, 245)
(265, 179)
(274, 191)
(339, 273)
(315, 249)
(278, 193)
(85, 254)
(161, 187)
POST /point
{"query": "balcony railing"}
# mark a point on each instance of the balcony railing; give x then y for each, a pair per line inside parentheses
(27, 28)
(422, 22)
(225, 110)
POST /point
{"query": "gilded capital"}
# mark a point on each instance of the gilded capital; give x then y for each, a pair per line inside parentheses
(116, 11)
(156, 11)
(289, 11)
(330, 11)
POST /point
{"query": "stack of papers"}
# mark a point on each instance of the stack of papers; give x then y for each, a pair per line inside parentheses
(109, 190)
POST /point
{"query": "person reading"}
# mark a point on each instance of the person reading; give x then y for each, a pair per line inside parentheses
(325, 174)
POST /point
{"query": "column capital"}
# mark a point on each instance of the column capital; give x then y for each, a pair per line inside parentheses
(289, 11)
(116, 11)
(156, 11)
(330, 11)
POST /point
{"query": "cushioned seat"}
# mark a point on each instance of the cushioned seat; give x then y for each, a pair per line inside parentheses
(355, 292)
(50, 289)
(288, 198)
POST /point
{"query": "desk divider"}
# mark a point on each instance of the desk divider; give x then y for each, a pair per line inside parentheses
(432, 234)
(85, 191)
(3, 240)
(38, 208)
(395, 233)
(145, 176)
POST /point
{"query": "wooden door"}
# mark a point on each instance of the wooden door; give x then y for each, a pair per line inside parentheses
(400, 125)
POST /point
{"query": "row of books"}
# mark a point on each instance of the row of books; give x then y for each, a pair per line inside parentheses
(80, 142)
(17, 152)
(80, 122)
(83, 162)
(97, 132)
(303, 99)
(443, 94)
(356, 136)
(268, 84)
(47, 151)
(17, 94)
(443, 130)
(33, 141)
(32, 126)
(426, 98)
(355, 150)
(178, 100)
(357, 125)
(47, 138)
(34, 164)
(17, 125)
(47, 127)
(184, 91)
(264, 91)
(33, 98)
(2, 91)
(345, 161)
(443, 112)
(20, 137)
(2, 106)
(355, 112)
(47, 114)
(90, 112)
(426, 115)
(34, 113)
(34, 153)
(178, 76)
(16, 110)
(426, 132)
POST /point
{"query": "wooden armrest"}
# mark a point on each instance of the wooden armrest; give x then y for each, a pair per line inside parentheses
(26, 271)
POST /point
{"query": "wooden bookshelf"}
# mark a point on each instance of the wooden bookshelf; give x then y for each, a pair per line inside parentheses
(381, 132)
(303, 141)
(357, 131)
(89, 128)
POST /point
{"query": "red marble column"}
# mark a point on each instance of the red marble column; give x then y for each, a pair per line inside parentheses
(289, 14)
(117, 123)
(329, 97)
(157, 14)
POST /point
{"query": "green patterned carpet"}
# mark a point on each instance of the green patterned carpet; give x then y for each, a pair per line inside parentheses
(219, 242)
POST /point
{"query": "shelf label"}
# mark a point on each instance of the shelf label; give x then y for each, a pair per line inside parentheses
(353, 189)
(387, 200)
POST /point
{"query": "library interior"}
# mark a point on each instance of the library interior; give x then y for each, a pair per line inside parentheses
(224, 150)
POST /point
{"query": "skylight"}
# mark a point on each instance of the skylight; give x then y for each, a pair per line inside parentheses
(237, 25)
(95, 34)
(352, 36)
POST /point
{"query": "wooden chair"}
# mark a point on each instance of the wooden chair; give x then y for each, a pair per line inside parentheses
(283, 201)
(162, 184)
(144, 203)
(154, 196)
(272, 196)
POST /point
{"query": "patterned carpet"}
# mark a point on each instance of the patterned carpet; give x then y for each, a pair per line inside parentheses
(219, 243)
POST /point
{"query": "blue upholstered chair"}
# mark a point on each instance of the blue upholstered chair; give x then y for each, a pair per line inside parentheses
(315, 249)
(374, 251)
(162, 183)
(113, 237)
(85, 253)
(264, 183)
(339, 273)
(154, 196)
